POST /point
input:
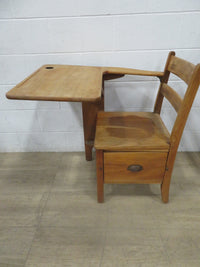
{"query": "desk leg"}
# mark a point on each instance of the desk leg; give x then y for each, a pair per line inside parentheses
(90, 110)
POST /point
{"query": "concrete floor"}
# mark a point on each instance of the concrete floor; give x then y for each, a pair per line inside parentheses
(49, 215)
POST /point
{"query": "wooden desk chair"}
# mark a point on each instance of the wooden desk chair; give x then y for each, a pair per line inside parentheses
(136, 147)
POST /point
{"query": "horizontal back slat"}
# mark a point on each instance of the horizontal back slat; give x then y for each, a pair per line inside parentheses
(171, 96)
(182, 68)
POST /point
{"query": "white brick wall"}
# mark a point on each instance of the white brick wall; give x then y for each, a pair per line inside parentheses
(128, 33)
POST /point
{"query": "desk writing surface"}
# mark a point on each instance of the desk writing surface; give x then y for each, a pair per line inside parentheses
(69, 82)
(60, 83)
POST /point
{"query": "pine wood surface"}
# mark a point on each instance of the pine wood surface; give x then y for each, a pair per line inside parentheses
(100, 175)
(62, 83)
(89, 111)
(172, 96)
(178, 128)
(131, 131)
(165, 78)
(69, 82)
(116, 167)
(182, 68)
(124, 134)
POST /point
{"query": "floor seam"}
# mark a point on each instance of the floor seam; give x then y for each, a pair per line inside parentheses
(40, 216)
(105, 238)
(165, 249)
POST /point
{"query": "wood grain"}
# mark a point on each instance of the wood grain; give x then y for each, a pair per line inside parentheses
(178, 128)
(90, 110)
(182, 68)
(165, 78)
(131, 131)
(135, 138)
(69, 83)
(171, 96)
(62, 83)
(116, 164)
(118, 131)
(100, 175)
(128, 71)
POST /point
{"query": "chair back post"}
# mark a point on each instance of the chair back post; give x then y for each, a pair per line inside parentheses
(178, 128)
(185, 108)
(164, 79)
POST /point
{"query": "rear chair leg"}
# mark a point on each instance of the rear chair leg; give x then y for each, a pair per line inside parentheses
(100, 174)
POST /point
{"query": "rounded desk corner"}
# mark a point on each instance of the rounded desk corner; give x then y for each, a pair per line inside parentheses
(9, 96)
(93, 99)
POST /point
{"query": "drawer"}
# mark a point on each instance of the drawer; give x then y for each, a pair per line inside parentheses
(150, 167)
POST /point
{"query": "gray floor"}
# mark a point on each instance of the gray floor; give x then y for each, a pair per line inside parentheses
(49, 215)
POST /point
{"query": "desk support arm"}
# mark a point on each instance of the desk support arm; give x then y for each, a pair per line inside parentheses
(127, 71)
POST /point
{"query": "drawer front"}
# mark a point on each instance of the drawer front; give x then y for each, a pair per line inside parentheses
(134, 167)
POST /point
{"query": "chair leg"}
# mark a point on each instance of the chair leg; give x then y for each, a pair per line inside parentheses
(100, 179)
(165, 186)
(165, 194)
(90, 111)
(88, 152)
(168, 174)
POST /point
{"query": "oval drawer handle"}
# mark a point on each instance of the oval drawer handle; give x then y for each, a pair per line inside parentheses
(134, 168)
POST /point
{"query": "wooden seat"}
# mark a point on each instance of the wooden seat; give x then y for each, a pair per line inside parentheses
(128, 131)
(136, 147)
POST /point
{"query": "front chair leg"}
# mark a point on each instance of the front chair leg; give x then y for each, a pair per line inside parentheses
(100, 174)
(168, 174)
(165, 193)
(165, 186)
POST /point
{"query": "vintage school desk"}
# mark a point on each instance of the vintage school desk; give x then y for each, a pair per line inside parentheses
(75, 84)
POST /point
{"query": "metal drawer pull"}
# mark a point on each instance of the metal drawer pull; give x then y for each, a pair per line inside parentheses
(134, 168)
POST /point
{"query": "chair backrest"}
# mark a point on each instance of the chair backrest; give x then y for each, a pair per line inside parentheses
(190, 74)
